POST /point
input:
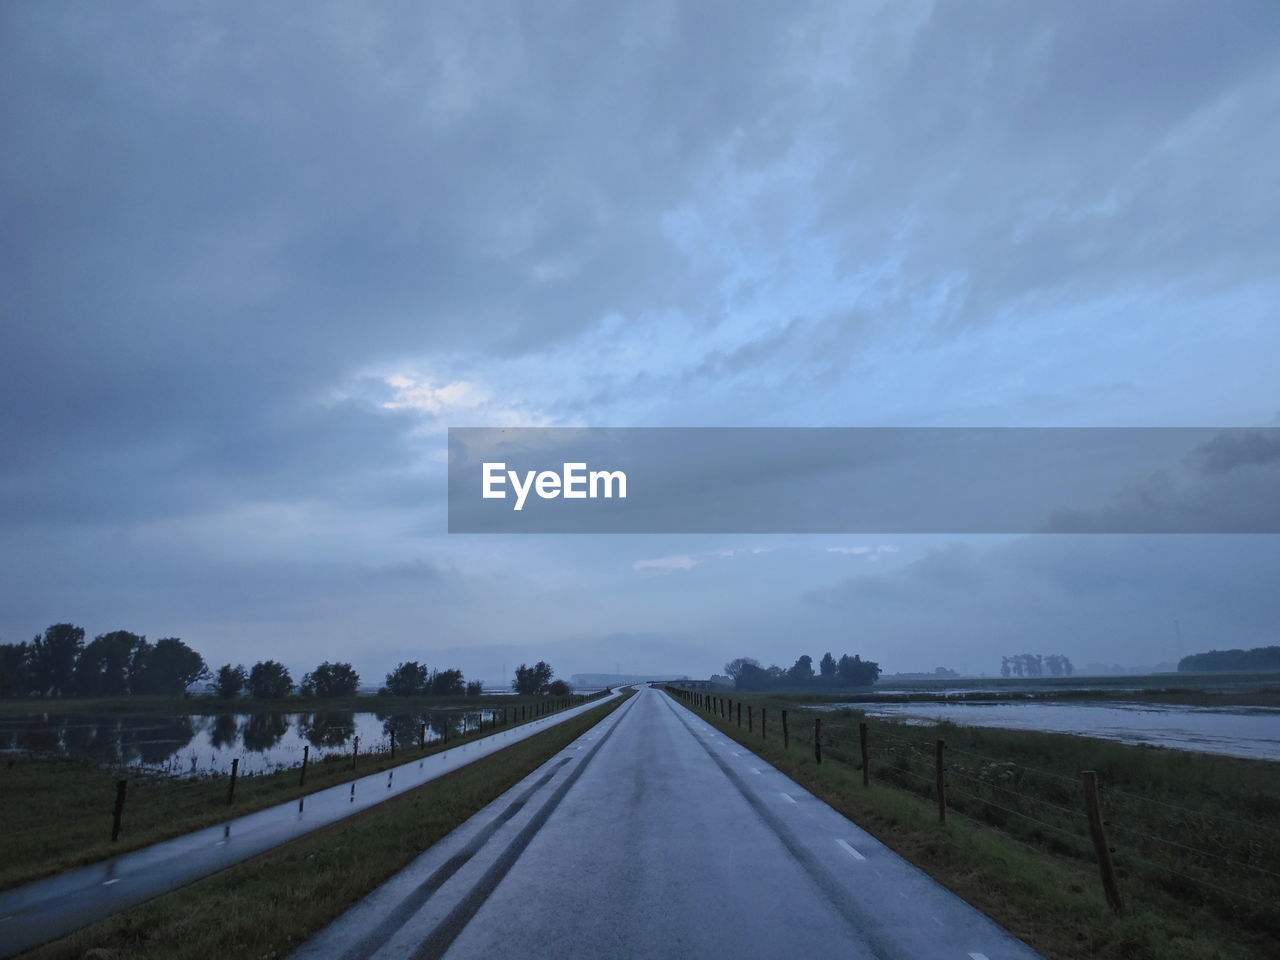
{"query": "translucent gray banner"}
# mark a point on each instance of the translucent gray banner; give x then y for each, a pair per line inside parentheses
(864, 480)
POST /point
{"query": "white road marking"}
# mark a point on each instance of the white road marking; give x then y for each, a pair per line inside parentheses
(756, 770)
(5, 919)
(220, 843)
(977, 956)
(789, 798)
(107, 883)
(937, 921)
(735, 753)
(856, 855)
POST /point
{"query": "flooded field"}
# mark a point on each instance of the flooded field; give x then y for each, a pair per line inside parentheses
(1252, 732)
(205, 744)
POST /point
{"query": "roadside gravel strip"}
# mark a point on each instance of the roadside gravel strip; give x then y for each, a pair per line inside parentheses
(53, 907)
(654, 836)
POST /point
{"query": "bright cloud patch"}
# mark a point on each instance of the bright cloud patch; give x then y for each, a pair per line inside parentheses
(682, 561)
(424, 396)
(871, 553)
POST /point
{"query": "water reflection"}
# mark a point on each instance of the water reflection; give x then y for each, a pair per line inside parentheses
(225, 731)
(204, 744)
(262, 731)
(332, 728)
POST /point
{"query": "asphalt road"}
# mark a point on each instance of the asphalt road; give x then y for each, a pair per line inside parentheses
(50, 908)
(655, 836)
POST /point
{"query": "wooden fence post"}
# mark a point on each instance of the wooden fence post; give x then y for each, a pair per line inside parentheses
(739, 713)
(750, 722)
(786, 734)
(393, 743)
(306, 753)
(862, 746)
(121, 787)
(817, 739)
(355, 750)
(940, 783)
(764, 726)
(1093, 807)
(231, 787)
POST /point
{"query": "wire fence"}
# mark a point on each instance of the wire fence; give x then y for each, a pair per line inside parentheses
(1207, 857)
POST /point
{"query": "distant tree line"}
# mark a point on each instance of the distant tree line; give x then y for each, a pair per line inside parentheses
(1035, 665)
(413, 679)
(1259, 658)
(58, 663)
(749, 674)
(270, 680)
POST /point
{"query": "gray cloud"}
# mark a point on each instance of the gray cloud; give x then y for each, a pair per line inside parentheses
(228, 221)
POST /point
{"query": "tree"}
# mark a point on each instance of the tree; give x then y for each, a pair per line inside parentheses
(331, 680)
(108, 665)
(53, 659)
(828, 666)
(475, 688)
(269, 680)
(751, 676)
(532, 680)
(858, 672)
(230, 681)
(802, 669)
(15, 669)
(407, 679)
(169, 667)
(734, 668)
(1257, 659)
(559, 688)
(446, 683)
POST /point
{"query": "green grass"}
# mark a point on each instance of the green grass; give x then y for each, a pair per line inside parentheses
(59, 809)
(264, 907)
(1016, 844)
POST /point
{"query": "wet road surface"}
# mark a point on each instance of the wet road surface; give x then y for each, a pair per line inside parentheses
(655, 836)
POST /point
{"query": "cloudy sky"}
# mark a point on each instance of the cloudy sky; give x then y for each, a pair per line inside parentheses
(256, 259)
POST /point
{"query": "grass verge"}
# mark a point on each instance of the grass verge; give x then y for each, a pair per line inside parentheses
(1024, 873)
(264, 907)
(58, 810)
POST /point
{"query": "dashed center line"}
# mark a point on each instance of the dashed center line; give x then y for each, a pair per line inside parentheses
(789, 798)
(107, 883)
(977, 956)
(848, 849)
(757, 771)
